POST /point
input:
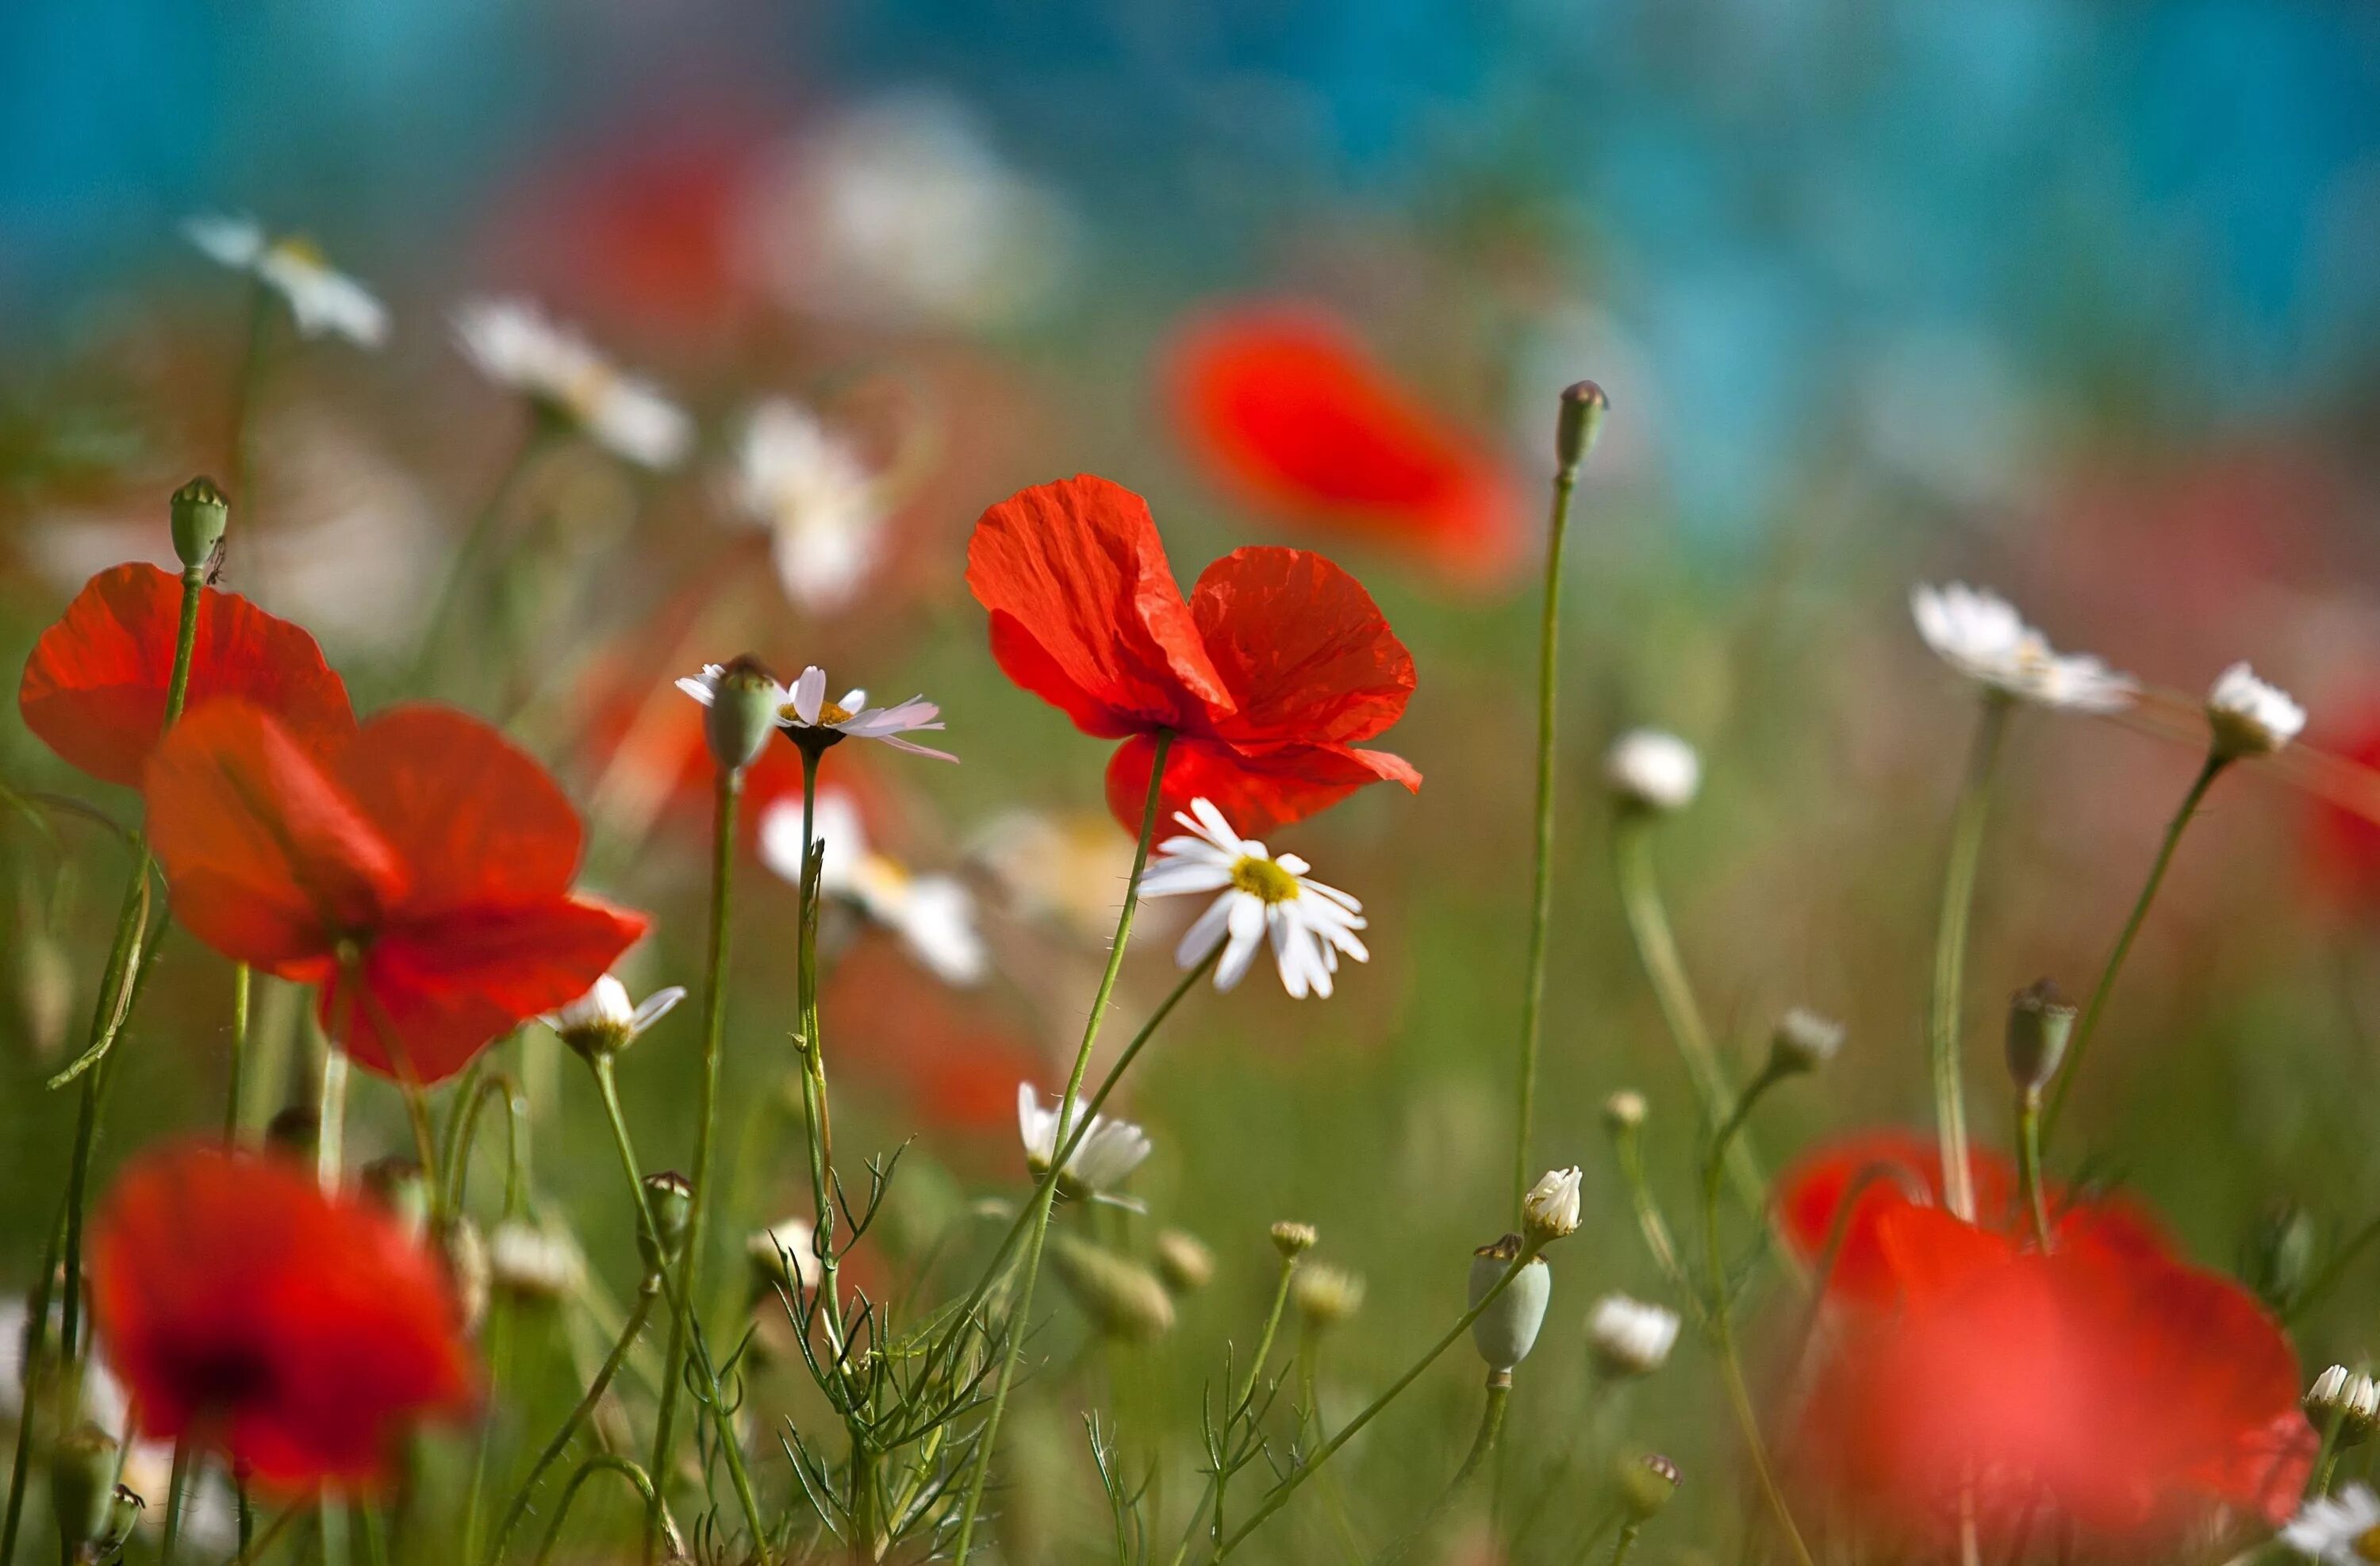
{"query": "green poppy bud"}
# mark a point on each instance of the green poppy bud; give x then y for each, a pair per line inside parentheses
(669, 1195)
(1579, 422)
(82, 1483)
(1507, 1330)
(200, 515)
(2039, 1023)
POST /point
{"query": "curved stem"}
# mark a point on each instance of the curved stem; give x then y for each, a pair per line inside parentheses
(1950, 956)
(646, 1293)
(1020, 1314)
(475, 545)
(1483, 1446)
(603, 1463)
(1541, 903)
(2089, 1026)
(726, 796)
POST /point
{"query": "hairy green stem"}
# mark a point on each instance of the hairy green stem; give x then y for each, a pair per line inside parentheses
(1046, 1194)
(1950, 956)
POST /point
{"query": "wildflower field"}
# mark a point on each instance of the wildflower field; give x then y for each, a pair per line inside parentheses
(771, 827)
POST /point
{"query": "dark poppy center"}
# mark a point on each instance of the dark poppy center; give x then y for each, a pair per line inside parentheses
(227, 1376)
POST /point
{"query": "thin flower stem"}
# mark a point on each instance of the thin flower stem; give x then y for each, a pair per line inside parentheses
(1483, 1446)
(177, 1492)
(1649, 1222)
(1045, 1195)
(2031, 1188)
(253, 1549)
(37, 1321)
(1244, 1402)
(1541, 903)
(330, 1135)
(817, 1127)
(497, 1334)
(1625, 1543)
(1657, 947)
(602, 1462)
(2083, 1030)
(475, 545)
(647, 1292)
(726, 796)
(1950, 955)
(241, 981)
(1278, 1496)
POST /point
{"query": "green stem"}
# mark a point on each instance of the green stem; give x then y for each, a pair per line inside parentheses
(36, 1330)
(177, 1492)
(1242, 1405)
(1625, 1543)
(817, 1127)
(241, 979)
(2089, 1026)
(475, 545)
(1950, 956)
(2332, 1270)
(646, 1293)
(645, 1489)
(1541, 903)
(1020, 1314)
(498, 1336)
(253, 1549)
(1279, 1495)
(2031, 1188)
(1483, 1446)
(331, 1133)
(726, 797)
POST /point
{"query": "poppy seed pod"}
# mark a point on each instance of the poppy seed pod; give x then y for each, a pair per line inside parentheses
(1123, 1297)
(1183, 1262)
(2039, 1023)
(669, 1195)
(123, 1509)
(743, 713)
(1580, 423)
(200, 514)
(1646, 1484)
(1507, 1330)
(83, 1476)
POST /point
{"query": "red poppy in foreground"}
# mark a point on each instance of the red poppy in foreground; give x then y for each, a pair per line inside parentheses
(1269, 677)
(418, 872)
(302, 1331)
(95, 689)
(2103, 1384)
(1285, 409)
(2344, 845)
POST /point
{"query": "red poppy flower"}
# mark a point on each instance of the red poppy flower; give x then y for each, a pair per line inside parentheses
(2102, 1383)
(1270, 677)
(939, 1054)
(95, 689)
(2343, 845)
(424, 857)
(302, 1330)
(1284, 409)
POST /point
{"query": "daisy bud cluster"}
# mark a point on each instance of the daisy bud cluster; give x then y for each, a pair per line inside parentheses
(1292, 1239)
(1552, 1207)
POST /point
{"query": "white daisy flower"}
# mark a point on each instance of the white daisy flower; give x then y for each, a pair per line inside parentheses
(514, 345)
(605, 1020)
(933, 915)
(1310, 924)
(806, 714)
(1628, 1337)
(1981, 634)
(819, 499)
(533, 1261)
(2343, 1529)
(1104, 1157)
(320, 297)
(2251, 718)
(1550, 1209)
(1652, 770)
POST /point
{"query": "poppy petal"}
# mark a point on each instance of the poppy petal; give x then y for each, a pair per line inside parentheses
(1085, 613)
(435, 991)
(1257, 787)
(1285, 410)
(270, 861)
(1876, 1171)
(1305, 653)
(95, 689)
(476, 821)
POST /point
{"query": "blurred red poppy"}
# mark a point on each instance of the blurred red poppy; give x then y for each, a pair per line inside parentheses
(1268, 676)
(2102, 1383)
(241, 1304)
(424, 856)
(955, 1069)
(95, 689)
(1284, 409)
(2344, 845)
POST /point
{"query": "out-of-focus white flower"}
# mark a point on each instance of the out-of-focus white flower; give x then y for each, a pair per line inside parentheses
(1550, 1209)
(1652, 770)
(1107, 1154)
(1073, 868)
(320, 297)
(823, 508)
(1630, 1338)
(1310, 924)
(933, 915)
(785, 1251)
(2339, 1530)
(2250, 717)
(1804, 1040)
(1983, 636)
(517, 347)
(897, 213)
(534, 1262)
(605, 1021)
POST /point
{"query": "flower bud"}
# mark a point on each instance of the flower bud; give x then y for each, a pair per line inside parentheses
(1580, 421)
(1507, 1330)
(1123, 1297)
(1183, 1262)
(1623, 1112)
(1803, 1041)
(529, 1262)
(1292, 1239)
(1646, 1485)
(199, 514)
(668, 1196)
(744, 700)
(82, 1481)
(599, 1022)
(2276, 1254)
(397, 1184)
(1325, 1295)
(1550, 1209)
(2352, 1400)
(2250, 717)
(1628, 1338)
(1648, 769)
(2040, 1020)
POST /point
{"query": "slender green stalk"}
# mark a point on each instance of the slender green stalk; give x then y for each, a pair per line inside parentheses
(818, 1127)
(241, 980)
(497, 1334)
(646, 1293)
(331, 1134)
(1649, 1222)
(1021, 1314)
(1625, 1542)
(368, 1524)
(728, 795)
(37, 1322)
(475, 546)
(1483, 1446)
(2083, 1030)
(251, 1549)
(1950, 955)
(2325, 1457)
(1278, 1496)
(1657, 947)
(603, 1463)
(1242, 1405)
(178, 1495)
(1541, 902)
(2031, 1188)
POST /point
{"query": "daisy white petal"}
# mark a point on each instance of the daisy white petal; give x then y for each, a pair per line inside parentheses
(2250, 717)
(809, 693)
(1263, 898)
(1983, 636)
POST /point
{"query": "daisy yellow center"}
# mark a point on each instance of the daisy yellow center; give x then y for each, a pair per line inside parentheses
(834, 712)
(303, 251)
(2367, 1544)
(1263, 879)
(587, 390)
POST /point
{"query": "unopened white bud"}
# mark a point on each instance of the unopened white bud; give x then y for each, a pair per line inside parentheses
(533, 1263)
(1651, 769)
(1629, 1338)
(1804, 1040)
(2250, 717)
(1325, 1295)
(1624, 1111)
(1552, 1208)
